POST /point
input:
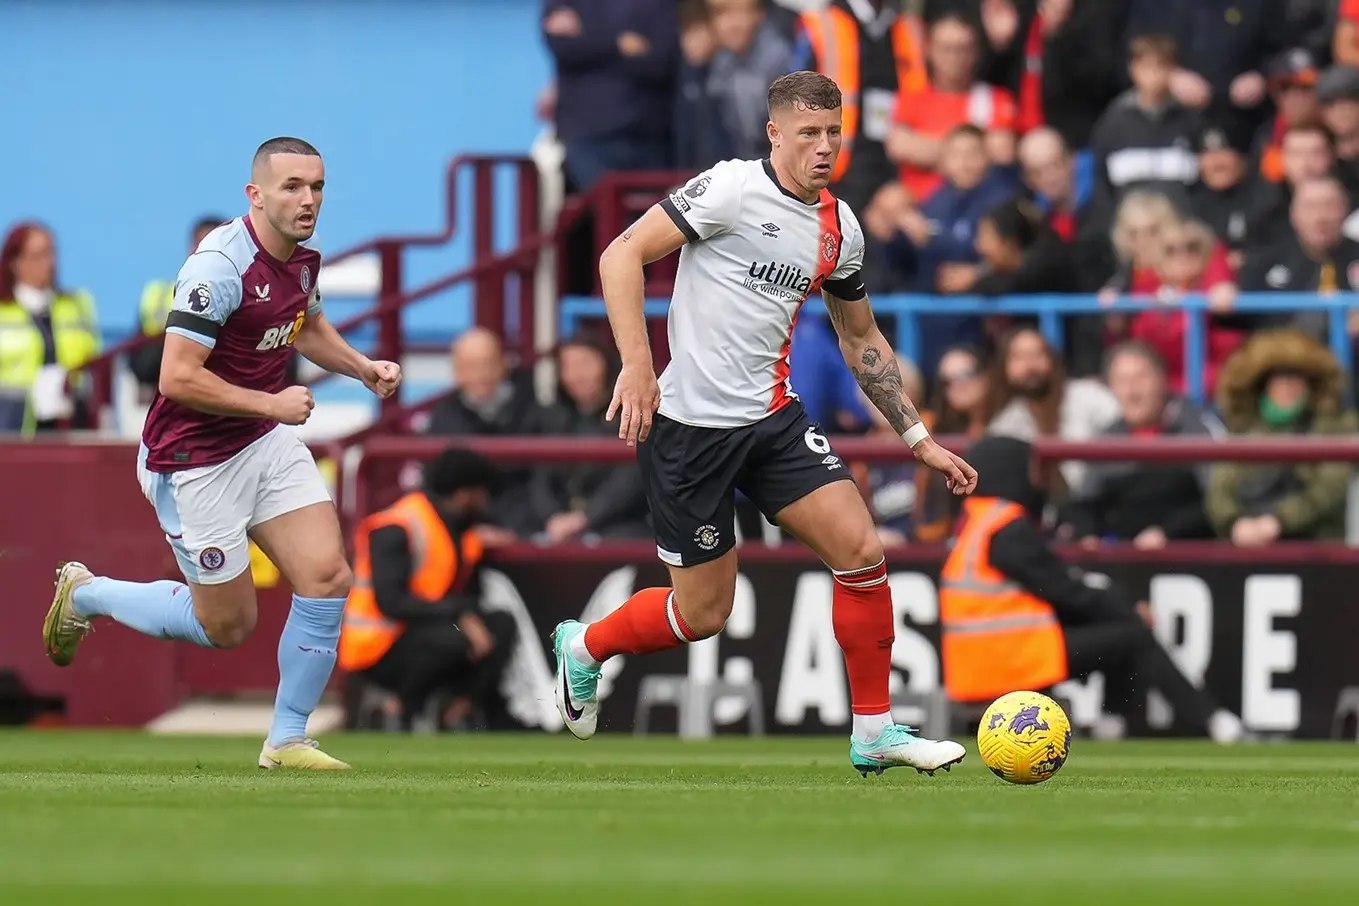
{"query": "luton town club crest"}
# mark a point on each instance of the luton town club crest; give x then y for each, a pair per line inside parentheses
(828, 246)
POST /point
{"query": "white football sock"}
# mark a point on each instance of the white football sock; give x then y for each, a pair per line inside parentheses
(581, 653)
(868, 727)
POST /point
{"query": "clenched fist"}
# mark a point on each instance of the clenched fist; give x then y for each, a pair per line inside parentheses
(383, 378)
(292, 405)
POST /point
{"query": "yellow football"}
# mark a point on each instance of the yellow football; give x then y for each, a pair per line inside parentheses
(1024, 737)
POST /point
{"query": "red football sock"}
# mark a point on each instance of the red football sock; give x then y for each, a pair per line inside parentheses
(648, 622)
(861, 612)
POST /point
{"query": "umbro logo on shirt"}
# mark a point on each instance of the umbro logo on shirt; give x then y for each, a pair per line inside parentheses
(770, 229)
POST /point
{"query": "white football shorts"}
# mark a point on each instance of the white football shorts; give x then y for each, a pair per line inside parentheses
(207, 512)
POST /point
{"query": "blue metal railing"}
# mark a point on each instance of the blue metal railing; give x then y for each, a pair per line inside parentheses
(1050, 310)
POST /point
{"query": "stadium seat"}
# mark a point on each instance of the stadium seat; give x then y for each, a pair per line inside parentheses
(694, 700)
(378, 709)
(932, 711)
(1346, 714)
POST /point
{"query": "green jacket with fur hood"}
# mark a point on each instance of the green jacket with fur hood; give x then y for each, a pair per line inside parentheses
(1308, 499)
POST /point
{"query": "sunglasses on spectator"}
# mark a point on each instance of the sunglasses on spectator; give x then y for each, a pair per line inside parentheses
(1184, 248)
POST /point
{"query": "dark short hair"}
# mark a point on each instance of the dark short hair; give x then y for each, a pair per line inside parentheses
(1158, 47)
(283, 144)
(1017, 220)
(966, 129)
(458, 468)
(1139, 348)
(808, 89)
(207, 224)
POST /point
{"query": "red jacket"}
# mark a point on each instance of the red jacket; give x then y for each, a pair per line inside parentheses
(1163, 328)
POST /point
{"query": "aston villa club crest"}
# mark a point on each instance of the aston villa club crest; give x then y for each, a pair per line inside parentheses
(829, 247)
(306, 278)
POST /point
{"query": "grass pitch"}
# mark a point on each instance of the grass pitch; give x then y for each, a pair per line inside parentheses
(106, 818)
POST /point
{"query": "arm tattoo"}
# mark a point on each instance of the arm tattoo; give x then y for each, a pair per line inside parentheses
(876, 371)
(880, 378)
(836, 310)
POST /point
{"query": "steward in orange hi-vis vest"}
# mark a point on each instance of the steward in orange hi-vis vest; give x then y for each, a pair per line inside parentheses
(1015, 617)
(414, 626)
(997, 636)
(438, 564)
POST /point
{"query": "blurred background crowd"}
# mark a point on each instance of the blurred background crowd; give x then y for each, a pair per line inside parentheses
(992, 148)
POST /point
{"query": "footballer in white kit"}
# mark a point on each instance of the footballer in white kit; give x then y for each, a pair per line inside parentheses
(757, 238)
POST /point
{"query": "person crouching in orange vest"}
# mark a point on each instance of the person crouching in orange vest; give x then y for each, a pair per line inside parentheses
(413, 623)
(1013, 616)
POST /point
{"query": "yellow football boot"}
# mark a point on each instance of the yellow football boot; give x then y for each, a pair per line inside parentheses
(303, 754)
(64, 629)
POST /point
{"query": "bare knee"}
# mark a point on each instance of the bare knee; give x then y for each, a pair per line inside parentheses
(705, 615)
(863, 551)
(332, 580)
(704, 595)
(227, 612)
(228, 628)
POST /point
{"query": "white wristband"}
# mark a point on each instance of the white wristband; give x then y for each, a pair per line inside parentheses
(915, 434)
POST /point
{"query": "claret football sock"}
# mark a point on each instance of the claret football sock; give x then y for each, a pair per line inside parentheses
(861, 613)
(306, 657)
(162, 609)
(649, 621)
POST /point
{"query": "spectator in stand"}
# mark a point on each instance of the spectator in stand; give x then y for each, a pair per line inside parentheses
(924, 118)
(1065, 197)
(1021, 254)
(751, 54)
(1224, 197)
(1057, 58)
(958, 407)
(701, 137)
(1032, 397)
(1192, 262)
(747, 54)
(1305, 155)
(47, 332)
(1224, 48)
(1293, 88)
(1144, 219)
(1315, 257)
(1145, 140)
(1138, 502)
(873, 52)
(587, 500)
(891, 488)
(1345, 43)
(487, 402)
(1281, 383)
(157, 296)
(1338, 92)
(935, 242)
(616, 65)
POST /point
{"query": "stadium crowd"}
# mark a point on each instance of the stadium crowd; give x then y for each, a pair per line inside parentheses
(992, 147)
